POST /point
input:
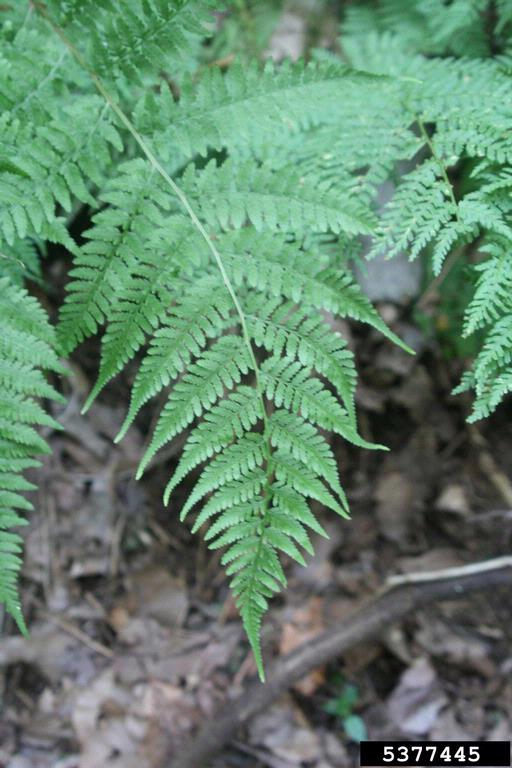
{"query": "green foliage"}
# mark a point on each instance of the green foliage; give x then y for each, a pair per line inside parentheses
(342, 706)
(431, 26)
(246, 29)
(141, 37)
(27, 349)
(456, 197)
(224, 206)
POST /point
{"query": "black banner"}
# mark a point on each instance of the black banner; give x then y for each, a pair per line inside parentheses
(434, 753)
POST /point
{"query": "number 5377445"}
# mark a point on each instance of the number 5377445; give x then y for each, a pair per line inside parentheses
(429, 754)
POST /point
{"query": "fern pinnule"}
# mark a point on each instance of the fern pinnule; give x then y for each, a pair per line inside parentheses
(293, 435)
(419, 211)
(201, 313)
(237, 461)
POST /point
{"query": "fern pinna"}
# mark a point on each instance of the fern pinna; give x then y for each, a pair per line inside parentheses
(226, 206)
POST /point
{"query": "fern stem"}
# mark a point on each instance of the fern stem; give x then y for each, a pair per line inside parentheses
(442, 167)
(454, 256)
(430, 291)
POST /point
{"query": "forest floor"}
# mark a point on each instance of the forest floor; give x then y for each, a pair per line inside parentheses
(134, 639)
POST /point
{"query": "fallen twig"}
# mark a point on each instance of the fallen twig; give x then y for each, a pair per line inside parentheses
(77, 633)
(399, 596)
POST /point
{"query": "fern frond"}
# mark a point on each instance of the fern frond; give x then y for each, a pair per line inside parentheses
(233, 494)
(293, 334)
(145, 292)
(490, 376)
(20, 261)
(292, 435)
(224, 248)
(55, 147)
(458, 193)
(27, 345)
(202, 313)
(257, 575)
(289, 383)
(234, 463)
(214, 294)
(228, 420)
(297, 475)
(116, 239)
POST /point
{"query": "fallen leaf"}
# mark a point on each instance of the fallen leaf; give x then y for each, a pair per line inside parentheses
(101, 728)
(155, 594)
(394, 495)
(453, 499)
(448, 728)
(305, 623)
(416, 702)
(443, 641)
(279, 731)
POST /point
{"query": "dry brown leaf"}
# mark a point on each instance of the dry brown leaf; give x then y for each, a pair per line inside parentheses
(441, 640)
(447, 728)
(304, 624)
(416, 702)
(105, 733)
(155, 594)
(395, 494)
(280, 731)
(453, 499)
